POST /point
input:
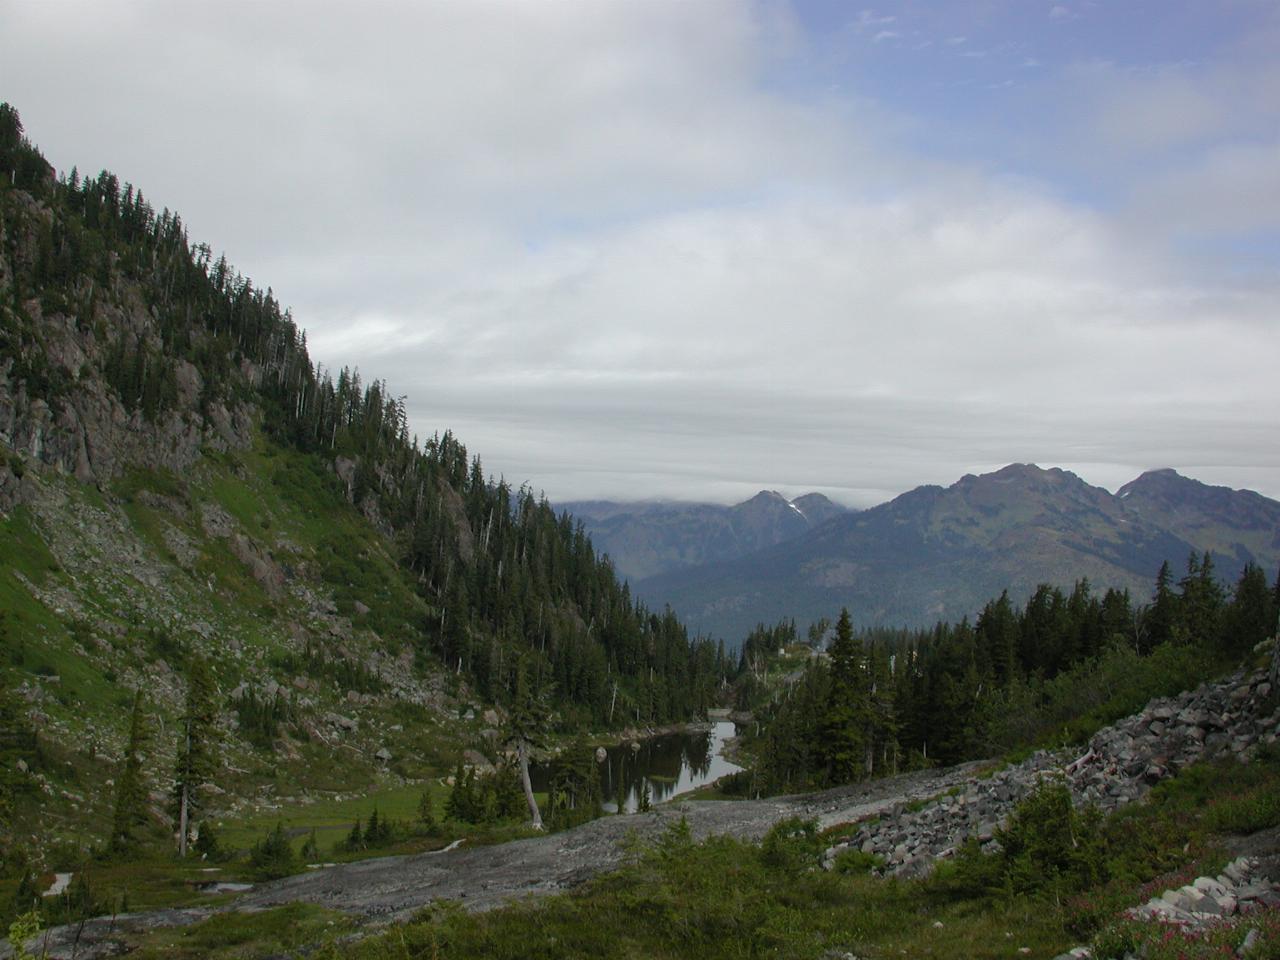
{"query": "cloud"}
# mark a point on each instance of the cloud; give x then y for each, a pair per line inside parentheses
(621, 250)
(796, 344)
(1229, 189)
(869, 18)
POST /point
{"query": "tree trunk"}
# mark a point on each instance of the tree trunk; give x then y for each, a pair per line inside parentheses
(182, 824)
(528, 787)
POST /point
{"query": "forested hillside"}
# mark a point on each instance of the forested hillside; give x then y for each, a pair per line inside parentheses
(179, 480)
(880, 701)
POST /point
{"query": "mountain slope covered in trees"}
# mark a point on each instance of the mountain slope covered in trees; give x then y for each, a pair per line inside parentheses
(181, 484)
(938, 553)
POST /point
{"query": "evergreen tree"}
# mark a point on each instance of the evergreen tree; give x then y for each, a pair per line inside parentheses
(846, 714)
(130, 813)
(1162, 616)
(196, 750)
(355, 837)
(1250, 618)
(427, 811)
(526, 728)
(1201, 601)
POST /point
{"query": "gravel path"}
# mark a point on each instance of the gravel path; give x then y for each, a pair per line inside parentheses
(389, 889)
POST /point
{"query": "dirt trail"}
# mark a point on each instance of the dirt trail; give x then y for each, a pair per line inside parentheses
(393, 888)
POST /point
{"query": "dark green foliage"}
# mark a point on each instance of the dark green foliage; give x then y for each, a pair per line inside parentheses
(574, 791)
(207, 846)
(1048, 848)
(1251, 616)
(311, 848)
(197, 747)
(526, 729)
(846, 712)
(27, 896)
(260, 719)
(1053, 672)
(129, 819)
(355, 838)
(491, 798)
(273, 856)
(379, 831)
(502, 579)
(763, 643)
(343, 672)
(792, 846)
(427, 813)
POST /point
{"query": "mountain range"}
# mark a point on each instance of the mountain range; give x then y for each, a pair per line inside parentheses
(654, 537)
(939, 553)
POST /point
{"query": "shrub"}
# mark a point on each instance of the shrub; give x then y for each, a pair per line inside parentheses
(1048, 847)
(792, 846)
(273, 856)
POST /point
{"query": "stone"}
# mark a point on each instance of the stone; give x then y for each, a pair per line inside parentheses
(383, 755)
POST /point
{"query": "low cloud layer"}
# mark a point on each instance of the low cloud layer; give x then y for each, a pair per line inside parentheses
(663, 250)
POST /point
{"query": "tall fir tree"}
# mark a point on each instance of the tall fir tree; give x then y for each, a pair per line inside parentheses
(130, 814)
(526, 731)
(1162, 616)
(196, 749)
(846, 713)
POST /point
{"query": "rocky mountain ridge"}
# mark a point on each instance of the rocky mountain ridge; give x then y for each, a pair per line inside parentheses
(649, 538)
(940, 553)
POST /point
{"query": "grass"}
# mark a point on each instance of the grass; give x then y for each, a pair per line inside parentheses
(241, 936)
(725, 898)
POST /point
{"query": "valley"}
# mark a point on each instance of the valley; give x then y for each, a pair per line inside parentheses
(279, 677)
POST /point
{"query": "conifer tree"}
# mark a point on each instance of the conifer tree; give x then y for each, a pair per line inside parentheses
(427, 811)
(1162, 616)
(526, 728)
(195, 765)
(130, 807)
(844, 719)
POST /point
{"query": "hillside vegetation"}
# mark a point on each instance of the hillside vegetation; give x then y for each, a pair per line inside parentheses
(181, 485)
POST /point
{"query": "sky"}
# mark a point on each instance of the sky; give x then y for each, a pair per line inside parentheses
(696, 249)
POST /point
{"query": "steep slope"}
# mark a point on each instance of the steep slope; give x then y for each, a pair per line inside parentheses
(1239, 524)
(177, 480)
(937, 553)
(646, 539)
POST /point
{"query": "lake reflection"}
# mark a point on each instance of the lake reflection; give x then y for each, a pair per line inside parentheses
(671, 764)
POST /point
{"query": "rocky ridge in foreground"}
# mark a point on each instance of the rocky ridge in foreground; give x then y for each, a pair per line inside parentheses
(1122, 762)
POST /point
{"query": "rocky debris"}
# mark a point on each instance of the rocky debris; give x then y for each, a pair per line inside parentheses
(343, 723)
(1240, 888)
(261, 566)
(1121, 764)
(477, 761)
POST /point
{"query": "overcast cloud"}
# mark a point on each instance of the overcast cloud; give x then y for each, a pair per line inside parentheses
(699, 249)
